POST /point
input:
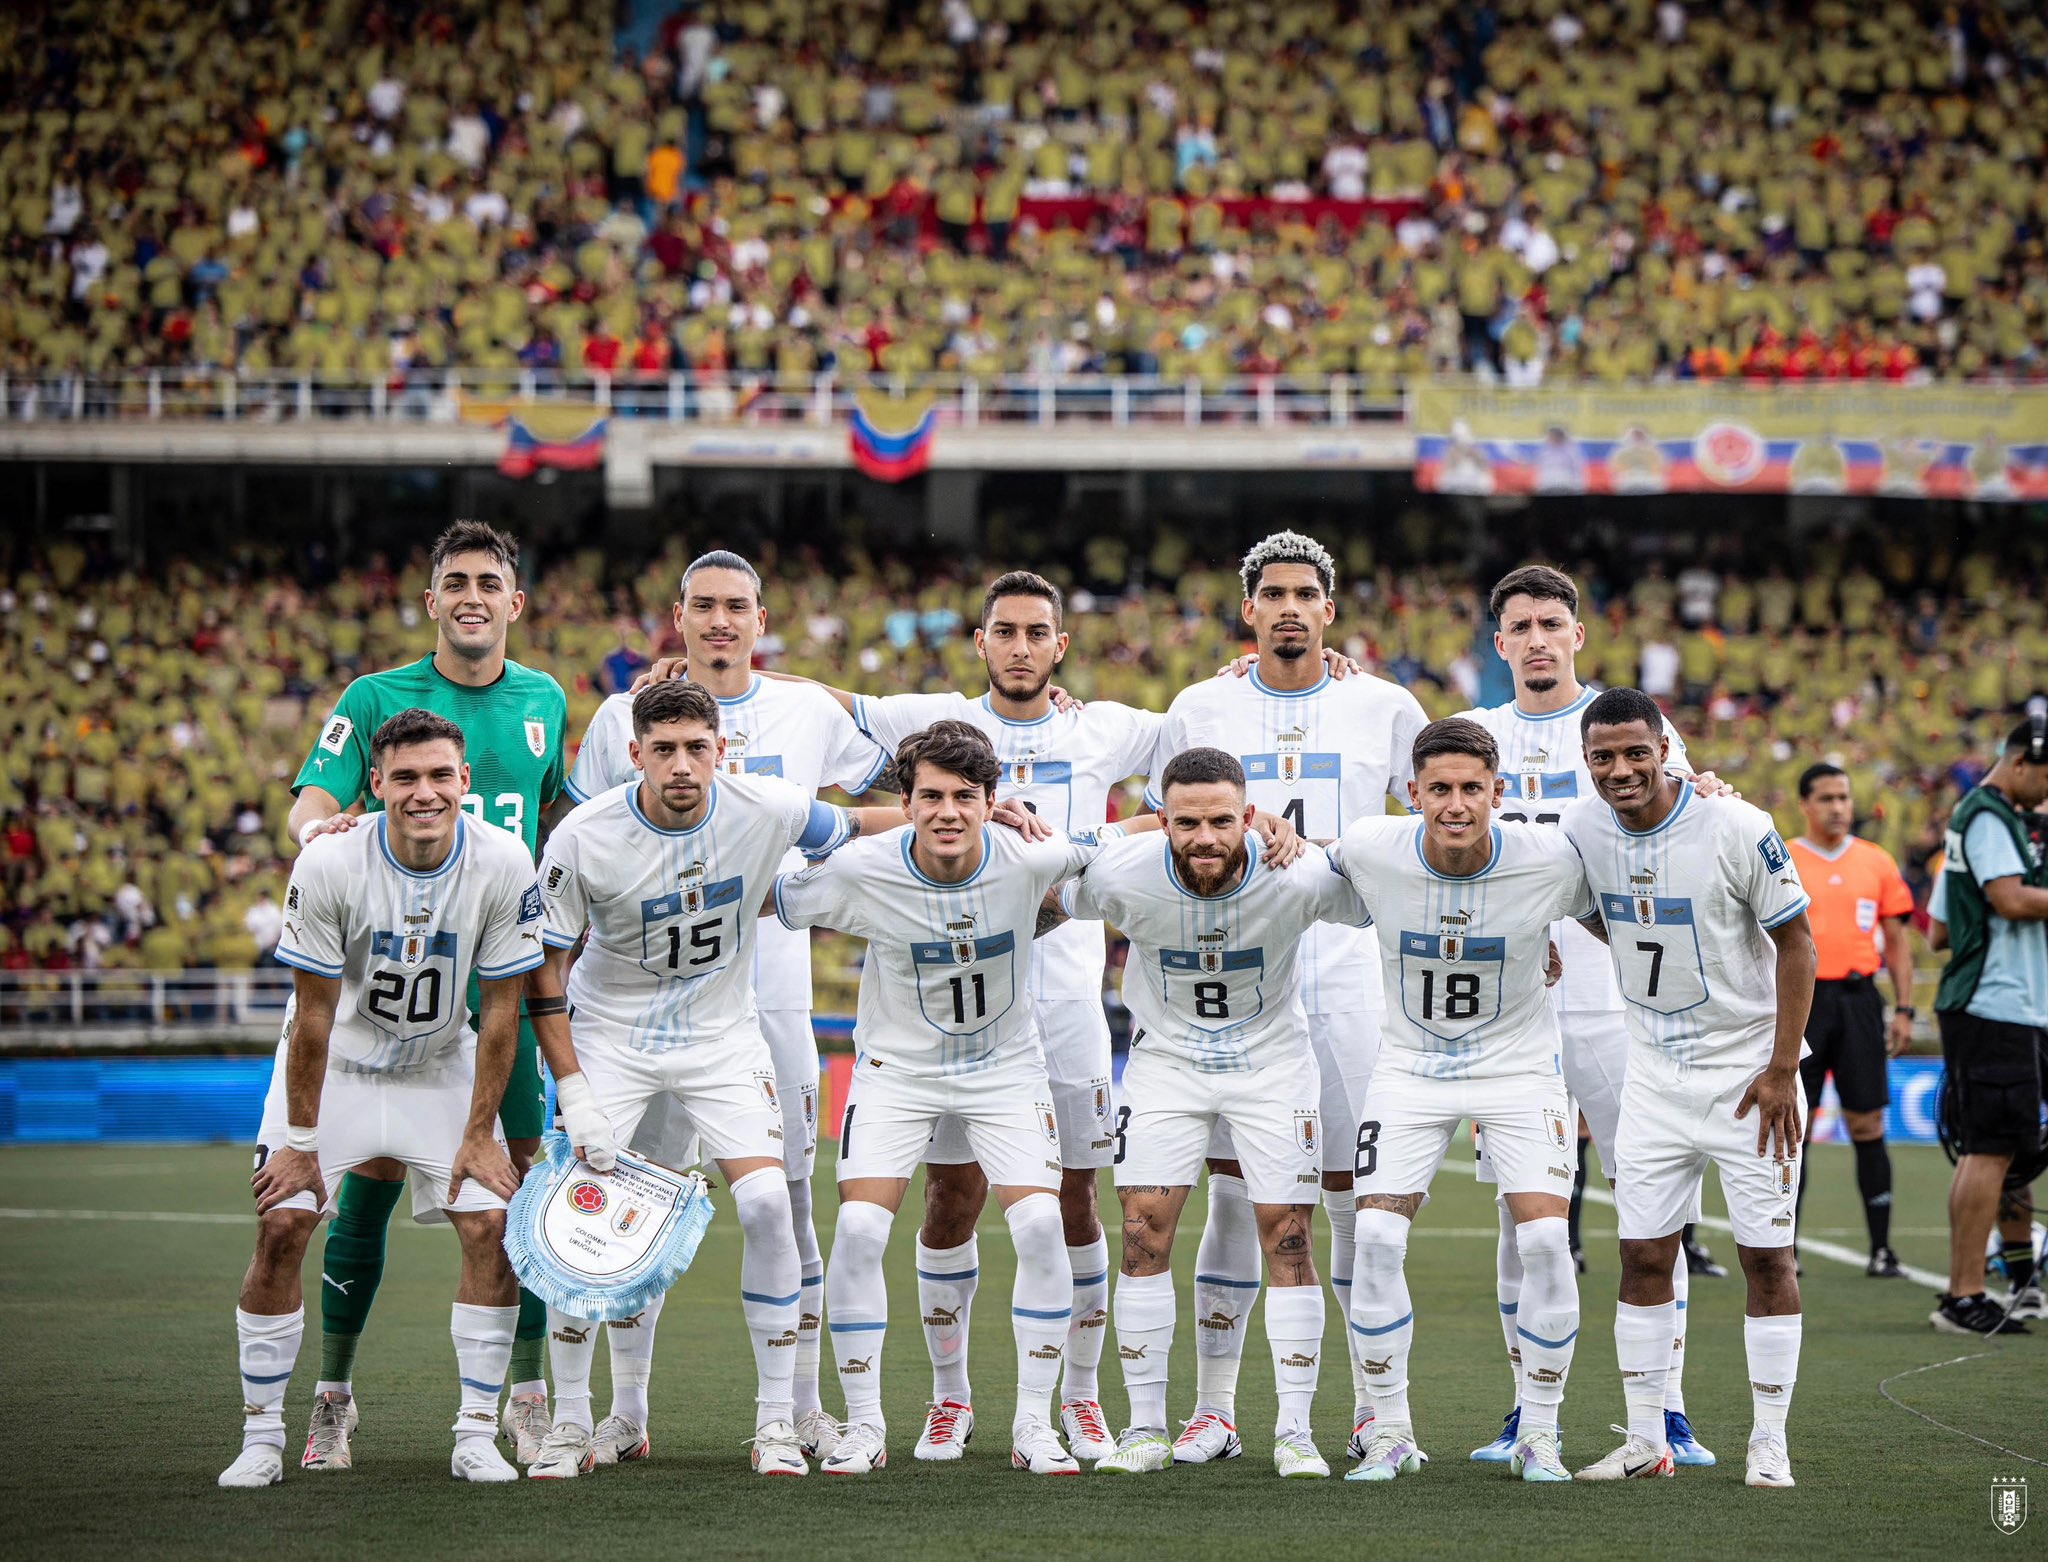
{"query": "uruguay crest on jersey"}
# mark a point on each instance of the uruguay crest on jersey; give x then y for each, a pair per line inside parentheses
(961, 932)
(692, 879)
(1305, 1132)
(537, 736)
(1289, 745)
(1209, 950)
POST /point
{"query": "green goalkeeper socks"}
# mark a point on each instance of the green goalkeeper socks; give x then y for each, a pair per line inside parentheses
(529, 1340)
(351, 1268)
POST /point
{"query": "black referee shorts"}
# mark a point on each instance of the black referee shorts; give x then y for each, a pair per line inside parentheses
(1994, 1083)
(1846, 1033)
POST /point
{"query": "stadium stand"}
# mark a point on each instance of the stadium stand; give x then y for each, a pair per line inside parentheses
(1524, 189)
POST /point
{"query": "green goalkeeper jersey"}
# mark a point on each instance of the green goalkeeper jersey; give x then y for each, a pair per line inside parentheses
(514, 729)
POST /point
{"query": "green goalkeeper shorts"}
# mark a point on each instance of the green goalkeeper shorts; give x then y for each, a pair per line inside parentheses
(522, 1111)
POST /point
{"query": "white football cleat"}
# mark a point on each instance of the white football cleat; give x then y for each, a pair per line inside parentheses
(620, 1440)
(1770, 1462)
(260, 1465)
(1536, 1457)
(478, 1459)
(525, 1421)
(2029, 1304)
(327, 1437)
(1390, 1453)
(776, 1451)
(1206, 1439)
(1087, 1433)
(565, 1453)
(862, 1449)
(948, 1426)
(1036, 1447)
(817, 1433)
(1361, 1433)
(1295, 1459)
(1637, 1459)
(1140, 1451)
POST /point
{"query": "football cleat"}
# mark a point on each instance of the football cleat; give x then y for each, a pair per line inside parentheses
(565, 1453)
(2027, 1303)
(1140, 1451)
(525, 1422)
(260, 1465)
(1391, 1452)
(327, 1437)
(1502, 1448)
(1536, 1456)
(1883, 1265)
(776, 1451)
(1036, 1447)
(620, 1440)
(862, 1449)
(1700, 1262)
(478, 1459)
(1685, 1446)
(1206, 1439)
(1361, 1433)
(1087, 1433)
(1295, 1459)
(948, 1428)
(817, 1433)
(1770, 1462)
(1976, 1314)
(1637, 1459)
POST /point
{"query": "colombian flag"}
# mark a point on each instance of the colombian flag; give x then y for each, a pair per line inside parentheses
(892, 439)
(568, 437)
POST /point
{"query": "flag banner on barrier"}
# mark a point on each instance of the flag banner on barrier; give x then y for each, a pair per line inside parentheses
(603, 1244)
(1923, 442)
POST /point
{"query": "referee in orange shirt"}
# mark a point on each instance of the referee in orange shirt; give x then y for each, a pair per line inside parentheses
(1860, 904)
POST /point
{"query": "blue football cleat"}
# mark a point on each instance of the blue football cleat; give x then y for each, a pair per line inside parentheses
(1502, 1448)
(1685, 1448)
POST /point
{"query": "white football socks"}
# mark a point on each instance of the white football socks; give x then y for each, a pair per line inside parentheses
(1772, 1346)
(483, 1350)
(1145, 1309)
(572, 1349)
(810, 1310)
(1674, 1380)
(1382, 1317)
(947, 1278)
(631, 1341)
(1341, 1205)
(771, 1285)
(1549, 1315)
(1294, 1332)
(1507, 1289)
(1642, 1349)
(267, 1345)
(1041, 1302)
(1228, 1264)
(1086, 1334)
(857, 1307)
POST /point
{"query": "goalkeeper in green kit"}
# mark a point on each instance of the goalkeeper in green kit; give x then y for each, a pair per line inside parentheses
(515, 720)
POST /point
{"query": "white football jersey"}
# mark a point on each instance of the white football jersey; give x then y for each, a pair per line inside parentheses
(1061, 767)
(405, 944)
(1321, 759)
(793, 730)
(673, 914)
(1213, 982)
(1464, 958)
(943, 988)
(1687, 907)
(1543, 761)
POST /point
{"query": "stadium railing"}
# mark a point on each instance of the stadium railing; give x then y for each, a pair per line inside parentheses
(450, 396)
(121, 1008)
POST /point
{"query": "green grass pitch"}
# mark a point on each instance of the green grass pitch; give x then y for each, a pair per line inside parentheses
(120, 1406)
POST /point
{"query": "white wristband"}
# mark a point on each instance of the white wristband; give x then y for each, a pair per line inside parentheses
(573, 1093)
(306, 835)
(304, 1140)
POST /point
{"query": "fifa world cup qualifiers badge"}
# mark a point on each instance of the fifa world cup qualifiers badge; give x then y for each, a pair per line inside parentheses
(2009, 1503)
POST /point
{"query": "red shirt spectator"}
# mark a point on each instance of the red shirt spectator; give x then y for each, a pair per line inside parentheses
(601, 352)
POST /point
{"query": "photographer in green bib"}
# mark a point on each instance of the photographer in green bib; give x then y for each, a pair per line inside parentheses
(514, 719)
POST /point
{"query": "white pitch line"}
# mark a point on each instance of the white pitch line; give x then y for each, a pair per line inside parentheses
(168, 1217)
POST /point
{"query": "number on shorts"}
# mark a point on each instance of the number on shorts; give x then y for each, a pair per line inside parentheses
(1123, 1121)
(1212, 1000)
(1368, 1158)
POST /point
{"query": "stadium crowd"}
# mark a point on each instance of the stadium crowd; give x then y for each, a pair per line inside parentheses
(150, 726)
(1526, 188)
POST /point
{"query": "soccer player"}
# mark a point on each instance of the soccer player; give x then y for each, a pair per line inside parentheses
(1320, 753)
(945, 1027)
(513, 719)
(1705, 921)
(771, 727)
(1462, 908)
(1544, 765)
(1218, 1035)
(1860, 907)
(384, 926)
(669, 874)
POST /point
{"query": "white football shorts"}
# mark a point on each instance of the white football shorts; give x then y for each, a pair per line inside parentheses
(1273, 1114)
(722, 1092)
(666, 1135)
(1005, 1114)
(1346, 1046)
(1075, 1034)
(1409, 1121)
(1672, 1126)
(1596, 1044)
